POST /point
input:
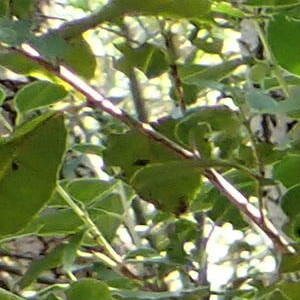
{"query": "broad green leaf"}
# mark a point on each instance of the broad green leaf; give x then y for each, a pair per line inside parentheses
(191, 9)
(137, 152)
(38, 94)
(30, 161)
(171, 186)
(271, 83)
(106, 213)
(54, 222)
(14, 32)
(290, 201)
(85, 190)
(76, 53)
(2, 96)
(190, 93)
(287, 170)
(228, 9)
(51, 260)
(89, 148)
(22, 8)
(89, 289)
(284, 42)
(18, 63)
(258, 72)
(113, 279)
(4, 5)
(260, 102)
(70, 251)
(200, 75)
(147, 58)
(290, 290)
(6, 295)
(272, 3)
(290, 263)
(219, 118)
(80, 58)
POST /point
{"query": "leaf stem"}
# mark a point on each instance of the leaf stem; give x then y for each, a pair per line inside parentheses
(93, 229)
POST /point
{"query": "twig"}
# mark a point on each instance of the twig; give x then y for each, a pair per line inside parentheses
(96, 99)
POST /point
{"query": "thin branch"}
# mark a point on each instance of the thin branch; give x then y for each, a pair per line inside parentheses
(96, 99)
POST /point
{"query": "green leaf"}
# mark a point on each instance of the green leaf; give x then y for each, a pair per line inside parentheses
(6, 295)
(80, 58)
(171, 186)
(4, 6)
(38, 94)
(23, 8)
(290, 290)
(2, 96)
(284, 42)
(14, 32)
(258, 72)
(147, 58)
(228, 9)
(191, 9)
(137, 151)
(107, 214)
(200, 75)
(89, 148)
(271, 3)
(76, 53)
(85, 190)
(290, 263)
(219, 118)
(190, 93)
(18, 63)
(54, 222)
(113, 279)
(70, 250)
(290, 201)
(287, 170)
(51, 260)
(90, 289)
(30, 160)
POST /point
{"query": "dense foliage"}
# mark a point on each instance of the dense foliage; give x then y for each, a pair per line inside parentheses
(149, 149)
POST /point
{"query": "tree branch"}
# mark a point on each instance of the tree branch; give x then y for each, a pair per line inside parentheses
(96, 99)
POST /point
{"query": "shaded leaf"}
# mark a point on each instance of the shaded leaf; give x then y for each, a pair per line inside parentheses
(200, 75)
(287, 170)
(147, 58)
(284, 42)
(20, 156)
(137, 151)
(51, 260)
(14, 32)
(171, 186)
(90, 289)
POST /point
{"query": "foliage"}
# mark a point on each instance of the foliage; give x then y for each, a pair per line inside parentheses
(136, 139)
